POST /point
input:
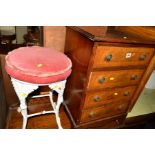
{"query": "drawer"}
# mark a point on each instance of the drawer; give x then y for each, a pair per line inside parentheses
(109, 79)
(107, 110)
(99, 98)
(108, 123)
(107, 56)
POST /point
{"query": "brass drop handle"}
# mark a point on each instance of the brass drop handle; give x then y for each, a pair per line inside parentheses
(108, 57)
(133, 77)
(96, 99)
(91, 114)
(142, 57)
(126, 93)
(117, 121)
(120, 107)
(101, 80)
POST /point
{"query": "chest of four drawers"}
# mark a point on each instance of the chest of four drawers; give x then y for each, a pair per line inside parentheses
(104, 79)
(110, 89)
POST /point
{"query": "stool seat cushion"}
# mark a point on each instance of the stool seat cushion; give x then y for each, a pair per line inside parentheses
(38, 65)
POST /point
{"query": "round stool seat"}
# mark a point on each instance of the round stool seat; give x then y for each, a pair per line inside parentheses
(38, 65)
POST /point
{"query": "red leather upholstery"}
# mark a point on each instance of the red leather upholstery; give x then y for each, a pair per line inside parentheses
(38, 65)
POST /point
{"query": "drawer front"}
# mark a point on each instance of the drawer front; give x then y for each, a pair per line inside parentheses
(114, 122)
(100, 98)
(109, 79)
(106, 56)
(107, 110)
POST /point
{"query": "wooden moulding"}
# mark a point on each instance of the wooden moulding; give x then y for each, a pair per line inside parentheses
(114, 35)
(92, 32)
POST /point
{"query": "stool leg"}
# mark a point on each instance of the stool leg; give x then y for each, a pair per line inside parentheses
(59, 101)
(56, 107)
(59, 88)
(23, 109)
(23, 90)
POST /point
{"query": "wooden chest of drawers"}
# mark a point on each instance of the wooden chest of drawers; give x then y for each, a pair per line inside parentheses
(107, 77)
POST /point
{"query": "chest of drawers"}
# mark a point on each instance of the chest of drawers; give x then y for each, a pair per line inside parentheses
(108, 74)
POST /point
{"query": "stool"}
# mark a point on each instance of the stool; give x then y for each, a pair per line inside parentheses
(31, 67)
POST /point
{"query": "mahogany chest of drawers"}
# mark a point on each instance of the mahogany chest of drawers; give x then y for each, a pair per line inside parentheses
(108, 74)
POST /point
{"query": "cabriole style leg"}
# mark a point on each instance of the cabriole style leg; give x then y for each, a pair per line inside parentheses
(59, 88)
(23, 90)
(23, 110)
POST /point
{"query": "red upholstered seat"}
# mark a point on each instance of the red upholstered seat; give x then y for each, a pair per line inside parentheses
(38, 65)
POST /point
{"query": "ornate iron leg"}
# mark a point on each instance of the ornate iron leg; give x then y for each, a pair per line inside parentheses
(23, 90)
(59, 101)
(23, 110)
(59, 88)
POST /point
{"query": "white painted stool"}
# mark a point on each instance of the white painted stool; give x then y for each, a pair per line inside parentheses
(23, 89)
(26, 81)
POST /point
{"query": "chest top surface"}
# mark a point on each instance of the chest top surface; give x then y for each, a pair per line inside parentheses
(117, 35)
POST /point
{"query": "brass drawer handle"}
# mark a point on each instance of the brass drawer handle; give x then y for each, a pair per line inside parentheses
(96, 99)
(117, 121)
(142, 57)
(126, 93)
(91, 114)
(133, 77)
(120, 107)
(101, 80)
(108, 57)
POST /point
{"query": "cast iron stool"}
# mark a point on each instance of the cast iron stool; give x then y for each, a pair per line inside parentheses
(25, 81)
